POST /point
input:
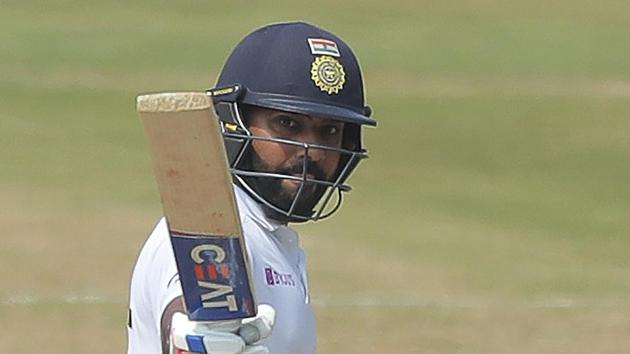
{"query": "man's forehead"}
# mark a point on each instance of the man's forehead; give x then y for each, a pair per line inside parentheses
(276, 113)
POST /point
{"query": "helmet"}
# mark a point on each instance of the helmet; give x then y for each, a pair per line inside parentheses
(299, 68)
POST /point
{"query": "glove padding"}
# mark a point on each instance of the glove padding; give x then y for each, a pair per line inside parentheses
(222, 337)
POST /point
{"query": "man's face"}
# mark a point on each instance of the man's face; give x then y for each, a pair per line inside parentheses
(288, 159)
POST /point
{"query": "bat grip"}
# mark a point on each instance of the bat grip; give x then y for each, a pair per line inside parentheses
(249, 333)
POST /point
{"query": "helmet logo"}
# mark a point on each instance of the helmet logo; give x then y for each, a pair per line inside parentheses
(323, 47)
(328, 74)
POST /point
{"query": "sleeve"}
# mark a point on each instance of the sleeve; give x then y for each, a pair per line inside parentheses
(154, 284)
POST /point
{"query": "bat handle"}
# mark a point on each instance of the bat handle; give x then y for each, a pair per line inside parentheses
(250, 333)
(259, 327)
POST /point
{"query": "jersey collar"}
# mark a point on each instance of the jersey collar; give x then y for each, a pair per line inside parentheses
(248, 207)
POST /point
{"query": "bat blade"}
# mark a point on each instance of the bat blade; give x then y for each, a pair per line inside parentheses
(197, 196)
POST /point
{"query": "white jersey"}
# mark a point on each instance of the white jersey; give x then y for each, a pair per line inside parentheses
(278, 268)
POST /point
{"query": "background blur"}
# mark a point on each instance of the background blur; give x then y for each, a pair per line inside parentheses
(492, 216)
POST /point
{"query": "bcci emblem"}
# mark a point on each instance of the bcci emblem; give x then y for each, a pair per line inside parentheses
(328, 74)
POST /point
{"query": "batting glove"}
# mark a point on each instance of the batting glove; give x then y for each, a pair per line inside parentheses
(222, 337)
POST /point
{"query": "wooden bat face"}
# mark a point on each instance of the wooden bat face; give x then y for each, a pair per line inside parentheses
(197, 196)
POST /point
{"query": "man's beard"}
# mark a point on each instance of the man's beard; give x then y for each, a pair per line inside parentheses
(272, 191)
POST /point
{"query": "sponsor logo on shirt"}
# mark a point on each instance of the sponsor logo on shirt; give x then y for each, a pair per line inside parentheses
(275, 278)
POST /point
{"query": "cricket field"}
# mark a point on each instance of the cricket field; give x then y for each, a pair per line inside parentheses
(493, 215)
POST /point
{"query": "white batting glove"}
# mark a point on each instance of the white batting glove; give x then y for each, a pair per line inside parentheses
(222, 337)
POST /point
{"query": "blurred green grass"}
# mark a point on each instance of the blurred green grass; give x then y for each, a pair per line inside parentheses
(497, 180)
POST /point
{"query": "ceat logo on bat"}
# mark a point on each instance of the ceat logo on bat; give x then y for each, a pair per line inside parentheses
(212, 274)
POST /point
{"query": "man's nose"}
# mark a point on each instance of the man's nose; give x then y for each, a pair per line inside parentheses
(314, 154)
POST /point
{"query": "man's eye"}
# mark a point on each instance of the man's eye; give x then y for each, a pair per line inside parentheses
(332, 130)
(288, 122)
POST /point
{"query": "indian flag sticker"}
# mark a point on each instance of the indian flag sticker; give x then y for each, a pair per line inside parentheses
(323, 47)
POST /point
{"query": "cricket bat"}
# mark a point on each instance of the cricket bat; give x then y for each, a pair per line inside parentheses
(195, 185)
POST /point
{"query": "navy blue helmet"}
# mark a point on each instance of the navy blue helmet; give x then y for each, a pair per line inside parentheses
(299, 68)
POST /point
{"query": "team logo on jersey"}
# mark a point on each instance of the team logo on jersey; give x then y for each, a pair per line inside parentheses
(328, 74)
(323, 47)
